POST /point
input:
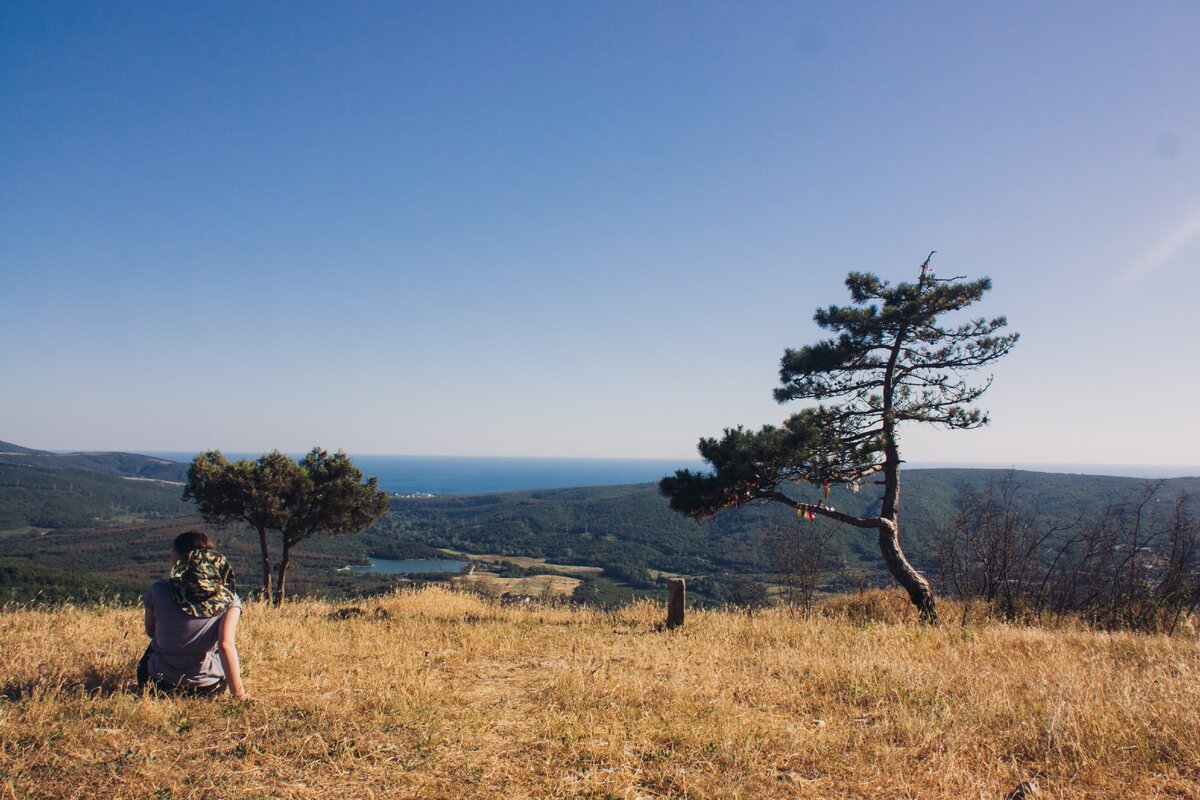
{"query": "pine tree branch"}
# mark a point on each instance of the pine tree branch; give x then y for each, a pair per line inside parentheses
(858, 522)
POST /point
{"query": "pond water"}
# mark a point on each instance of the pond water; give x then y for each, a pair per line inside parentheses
(411, 566)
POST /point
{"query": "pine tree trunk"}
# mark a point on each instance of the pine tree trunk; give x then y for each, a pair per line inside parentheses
(919, 590)
(266, 563)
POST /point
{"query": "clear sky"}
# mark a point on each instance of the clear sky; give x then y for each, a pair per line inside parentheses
(583, 229)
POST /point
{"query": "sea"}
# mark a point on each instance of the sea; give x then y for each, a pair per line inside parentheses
(439, 475)
(409, 566)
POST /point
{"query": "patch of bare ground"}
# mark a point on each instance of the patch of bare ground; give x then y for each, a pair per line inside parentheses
(444, 694)
(526, 562)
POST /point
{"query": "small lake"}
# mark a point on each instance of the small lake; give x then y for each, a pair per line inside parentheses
(411, 566)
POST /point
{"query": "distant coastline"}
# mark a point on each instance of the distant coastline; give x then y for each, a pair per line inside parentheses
(441, 475)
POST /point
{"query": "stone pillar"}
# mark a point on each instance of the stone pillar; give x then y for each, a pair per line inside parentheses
(676, 592)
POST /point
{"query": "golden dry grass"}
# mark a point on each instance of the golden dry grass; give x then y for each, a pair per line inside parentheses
(539, 586)
(443, 694)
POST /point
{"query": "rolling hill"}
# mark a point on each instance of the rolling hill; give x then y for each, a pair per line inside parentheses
(600, 526)
(99, 515)
(131, 465)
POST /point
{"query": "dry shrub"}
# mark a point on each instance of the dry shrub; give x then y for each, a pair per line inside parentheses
(883, 606)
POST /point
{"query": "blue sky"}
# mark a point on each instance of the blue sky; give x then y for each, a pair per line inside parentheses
(582, 229)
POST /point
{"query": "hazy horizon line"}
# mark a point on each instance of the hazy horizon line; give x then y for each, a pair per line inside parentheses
(1117, 469)
(1128, 470)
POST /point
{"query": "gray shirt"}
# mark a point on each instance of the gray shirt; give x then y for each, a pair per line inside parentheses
(183, 651)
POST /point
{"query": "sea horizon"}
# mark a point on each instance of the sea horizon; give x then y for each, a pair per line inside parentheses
(426, 474)
(457, 474)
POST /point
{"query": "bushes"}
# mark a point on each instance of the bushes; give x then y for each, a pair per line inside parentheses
(634, 575)
(1131, 565)
(24, 583)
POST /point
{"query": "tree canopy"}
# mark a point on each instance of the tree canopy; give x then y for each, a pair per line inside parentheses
(890, 361)
(322, 493)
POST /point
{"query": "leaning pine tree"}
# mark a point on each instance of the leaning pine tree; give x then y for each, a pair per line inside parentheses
(890, 362)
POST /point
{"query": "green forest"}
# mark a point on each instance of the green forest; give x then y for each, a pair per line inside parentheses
(43, 497)
(71, 532)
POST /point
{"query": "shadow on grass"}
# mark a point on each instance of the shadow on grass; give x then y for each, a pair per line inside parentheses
(353, 612)
(93, 680)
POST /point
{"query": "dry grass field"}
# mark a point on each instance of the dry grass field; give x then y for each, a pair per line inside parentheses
(539, 586)
(443, 694)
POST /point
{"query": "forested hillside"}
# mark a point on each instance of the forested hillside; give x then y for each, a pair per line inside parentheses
(62, 498)
(109, 528)
(118, 557)
(132, 465)
(632, 525)
(21, 582)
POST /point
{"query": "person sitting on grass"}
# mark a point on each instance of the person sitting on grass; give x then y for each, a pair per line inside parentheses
(192, 620)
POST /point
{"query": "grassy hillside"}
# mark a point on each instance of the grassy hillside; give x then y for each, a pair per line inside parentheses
(444, 695)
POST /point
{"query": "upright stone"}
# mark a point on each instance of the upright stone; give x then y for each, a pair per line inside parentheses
(676, 593)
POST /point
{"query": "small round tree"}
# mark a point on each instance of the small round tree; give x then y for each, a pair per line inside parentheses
(889, 362)
(319, 494)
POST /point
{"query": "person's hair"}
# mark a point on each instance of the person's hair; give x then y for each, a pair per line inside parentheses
(188, 541)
